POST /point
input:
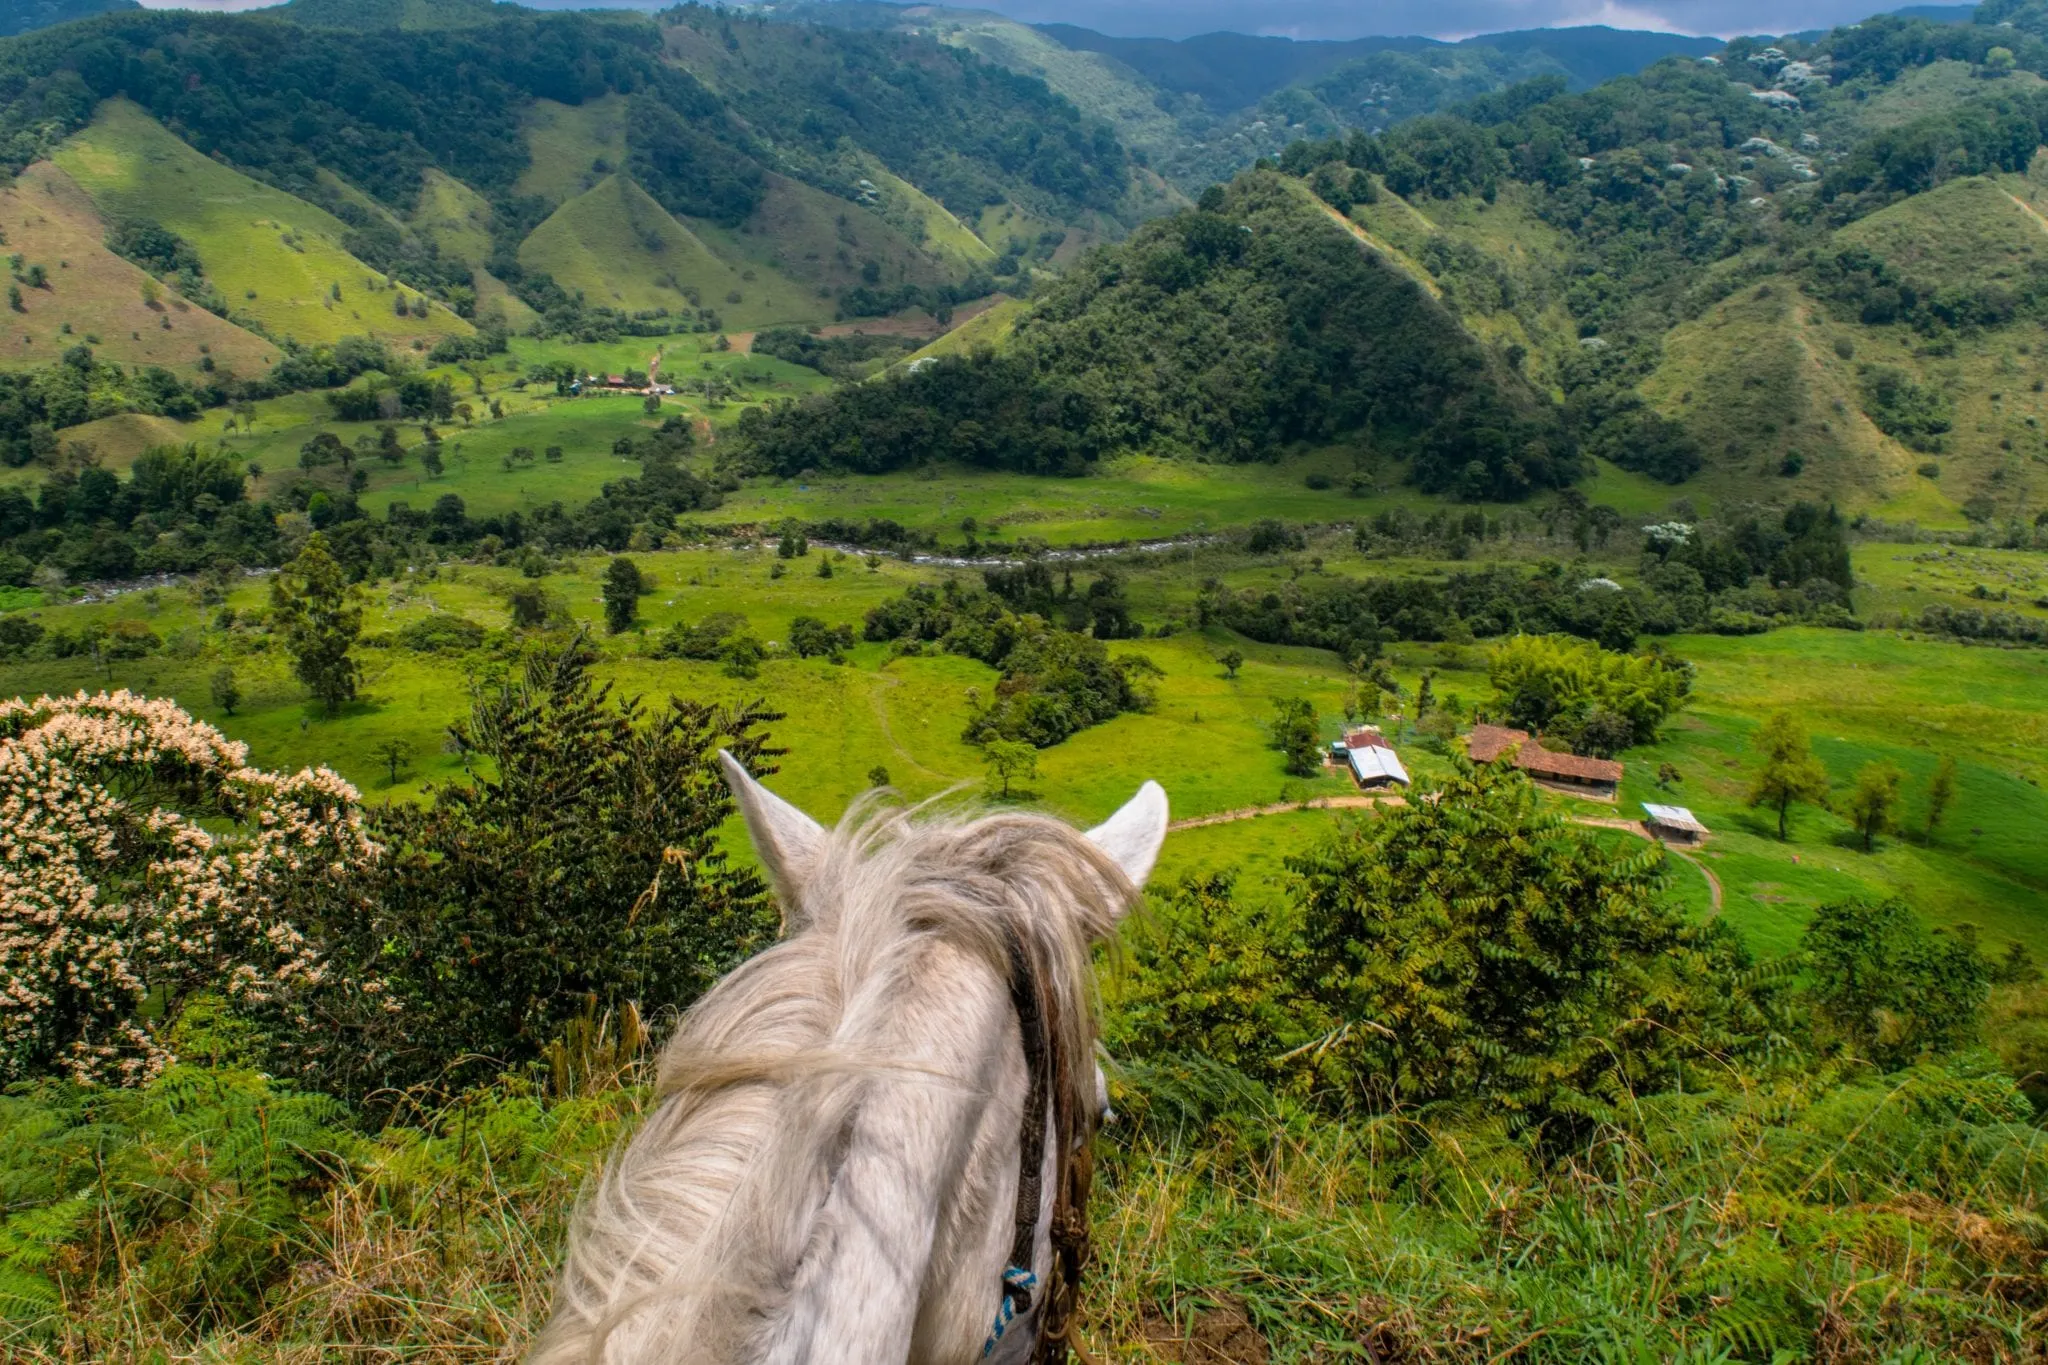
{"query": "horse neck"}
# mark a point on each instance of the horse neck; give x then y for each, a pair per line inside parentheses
(915, 1227)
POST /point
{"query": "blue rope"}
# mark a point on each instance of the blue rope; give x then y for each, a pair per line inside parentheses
(1018, 1283)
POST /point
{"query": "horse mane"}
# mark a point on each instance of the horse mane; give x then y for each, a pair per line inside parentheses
(695, 1230)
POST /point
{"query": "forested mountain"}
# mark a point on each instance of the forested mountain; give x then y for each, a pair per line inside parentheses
(1814, 269)
(21, 16)
(1201, 109)
(427, 145)
(1229, 331)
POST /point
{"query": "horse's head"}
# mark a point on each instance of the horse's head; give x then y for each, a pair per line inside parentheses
(873, 1142)
(793, 848)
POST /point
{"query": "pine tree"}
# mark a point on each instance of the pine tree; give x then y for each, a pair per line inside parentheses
(320, 614)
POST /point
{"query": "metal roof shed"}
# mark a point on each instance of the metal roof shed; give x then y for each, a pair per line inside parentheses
(1375, 766)
(1673, 822)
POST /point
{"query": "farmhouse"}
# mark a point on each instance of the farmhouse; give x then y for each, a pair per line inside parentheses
(1372, 760)
(1593, 776)
(1673, 823)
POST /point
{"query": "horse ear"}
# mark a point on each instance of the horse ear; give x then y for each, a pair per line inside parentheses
(1133, 835)
(784, 836)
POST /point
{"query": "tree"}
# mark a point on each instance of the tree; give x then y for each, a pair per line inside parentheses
(430, 459)
(225, 690)
(878, 776)
(1941, 791)
(623, 585)
(1873, 799)
(1009, 760)
(531, 606)
(1887, 986)
(1551, 682)
(1232, 660)
(810, 637)
(1790, 772)
(393, 754)
(320, 615)
(1298, 735)
(1474, 947)
(580, 869)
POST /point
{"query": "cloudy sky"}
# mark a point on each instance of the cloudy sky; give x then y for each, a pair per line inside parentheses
(1357, 18)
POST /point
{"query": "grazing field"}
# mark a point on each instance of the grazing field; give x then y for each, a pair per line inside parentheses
(1867, 696)
(618, 248)
(93, 297)
(276, 258)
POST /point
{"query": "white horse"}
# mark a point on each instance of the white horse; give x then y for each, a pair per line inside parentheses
(867, 1133)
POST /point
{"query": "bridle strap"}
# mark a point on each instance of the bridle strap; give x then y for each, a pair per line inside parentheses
(1049, 1094)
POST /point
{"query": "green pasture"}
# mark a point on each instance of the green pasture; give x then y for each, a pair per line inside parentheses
(1905, 578)
(277, 258)
(1865, 695)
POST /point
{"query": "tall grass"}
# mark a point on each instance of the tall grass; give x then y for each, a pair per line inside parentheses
(1838, 1216)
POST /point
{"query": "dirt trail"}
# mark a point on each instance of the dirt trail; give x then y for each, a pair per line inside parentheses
(1224, 817)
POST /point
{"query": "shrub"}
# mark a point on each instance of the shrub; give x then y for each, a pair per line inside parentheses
(113, 894)
(580, 868)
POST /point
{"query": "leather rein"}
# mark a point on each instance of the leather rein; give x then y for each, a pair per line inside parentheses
(1049, 1096)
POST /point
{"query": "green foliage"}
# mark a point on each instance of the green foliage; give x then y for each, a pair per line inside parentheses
(224, 689)
(1297, 734)
(1790, 773)
(199, 1186)
(320, 615)
(1941, 791)
(1550, 684)
(1236, 332)
(1889, 988)
(1916, 415)
(1468, 948)
(1872, 804)
(580, 863)
(1009, 761)
(810, 637)
(623, 588)
(1055, 681)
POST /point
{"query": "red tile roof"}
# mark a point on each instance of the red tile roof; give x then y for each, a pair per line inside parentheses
(1368, 738)
(1488, 742)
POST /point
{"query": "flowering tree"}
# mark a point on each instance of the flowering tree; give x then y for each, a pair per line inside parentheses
(117, 904)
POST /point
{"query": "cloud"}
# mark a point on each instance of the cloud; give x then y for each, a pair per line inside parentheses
(1361, 18)
(1432, 18)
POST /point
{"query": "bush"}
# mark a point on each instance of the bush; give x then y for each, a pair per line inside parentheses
(579, 869)
(115, 895)
(1468, 948)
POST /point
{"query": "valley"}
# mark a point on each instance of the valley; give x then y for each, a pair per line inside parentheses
(435, 428)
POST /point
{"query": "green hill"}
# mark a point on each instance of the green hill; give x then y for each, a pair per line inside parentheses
(1232, 331)
(620, 249)
(91, 295)
(275, 258)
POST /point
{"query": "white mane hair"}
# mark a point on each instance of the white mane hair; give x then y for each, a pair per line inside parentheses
(830, 1174)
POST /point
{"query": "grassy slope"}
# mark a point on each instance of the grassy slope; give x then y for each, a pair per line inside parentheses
(565, 141)
(274, 256)
(623, 250)
(49, 221)
(1871, 695)
(815, 241)
(1757, 379)
(931, 223)
(458, 220)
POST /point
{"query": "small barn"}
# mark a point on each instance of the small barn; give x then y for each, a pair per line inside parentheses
(1673, 823)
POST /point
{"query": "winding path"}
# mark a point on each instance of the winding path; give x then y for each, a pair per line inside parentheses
(1224, 817)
